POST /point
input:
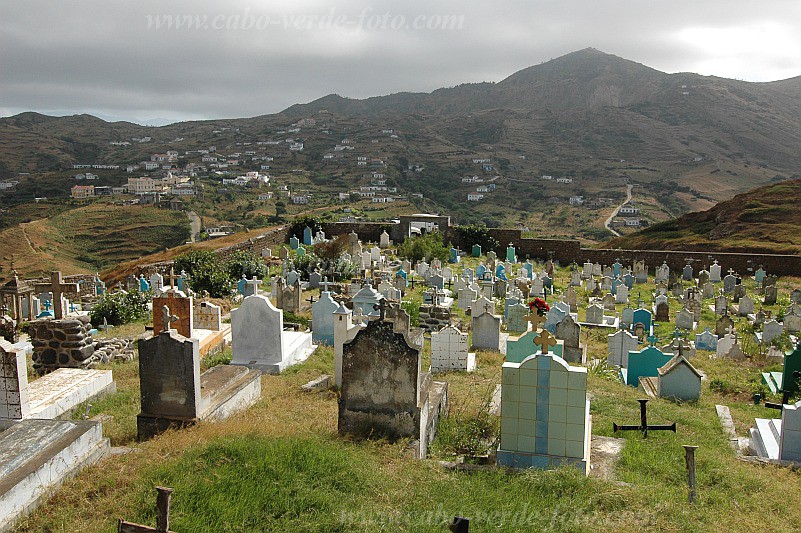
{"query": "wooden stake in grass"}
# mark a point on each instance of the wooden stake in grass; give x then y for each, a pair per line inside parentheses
(689, 459)
(162, 519)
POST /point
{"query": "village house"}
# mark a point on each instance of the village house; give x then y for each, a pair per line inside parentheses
(82, 191)
(474, 197)
(628, 210)
(576, 200)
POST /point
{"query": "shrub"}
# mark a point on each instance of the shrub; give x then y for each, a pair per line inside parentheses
(426, 246)
(120, 308)
(205, 273)
(247, 263)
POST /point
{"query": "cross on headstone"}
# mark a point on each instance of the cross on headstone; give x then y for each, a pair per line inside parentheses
(311, 299)
(167, 318)
(546, 340)
(381, 307)
(653, 339)
(678, 334)
(785, 394)
(731, 271)
(172, 277)
(47, 305)
(732, 331)
(535, 319)
(325, 284)
(58, 287)
(254, 282)
(162, 517)
(644, 427)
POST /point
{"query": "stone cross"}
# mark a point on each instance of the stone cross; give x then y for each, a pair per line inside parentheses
(653, 339)
(58, 287)
(546, 340)
(535, 319)
(172, 277)
(732, 331)
(381, 306)
(325, 284)
(167, 318)
(255, 282)
(677, 334)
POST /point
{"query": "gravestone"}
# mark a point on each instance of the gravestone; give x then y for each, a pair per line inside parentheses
(792, 319)
(739, 292)
(568, 331)
(644, 317)
(307, 236)
(714, 272)
(721, 305)
(662, 312)
(266, 253)
(706, 341)
(323, 319)
(685, 320)
(258, 339)
(545, 414)
(181, 306)
(619, 345)
(771, 295)
(314, 280)
(486, 326)
(476, 250)
(662, 273)
(449, 351)
(383, 240)
(626, 317)
(569, 297)
(640, 272)
(14, 389)
(622, 295)
(609, 302)
(795, 296)
(708, 290)
(687, 273)
(746, 306)
(644, 363)
(595, 314)
(759, 275)
(384, 391)
(294, 242)
(723, 325)
(516, 318)
(729, 282)
(678, 380)
(770, 330)
(157, 282)
(208, 316)
(703, 278)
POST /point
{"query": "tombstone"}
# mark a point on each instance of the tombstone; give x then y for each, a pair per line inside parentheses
(486, 326)
(622, 295)
(491, 256)
(481, 270)
(569, 297)
(575, 279)
(595, 314)
(384, 392)
(609, 303)
(767, 281)
(770, 330)
(628, 280)
(644, 317)
(759, 318)
(644, 363)
(640, 272)
(694, 307)
(706, 341)
(157, 282)
(714, 272)
(307, 236)
(292, 277)
(729, 282)
(568, 331)
(685, 319)
(15, 397)
(723, 325)
(181, 306)
(729, 348)
(466, 298)
(678, 380)
(545, 414)
(510, 253)
(608, 272)
(746, 306)
(662, 312)
(687, 273)
(173, 392)
(795, 296)
(721, 305)
(259, 340)
(556, 314)
(375, 255)
(586, 272)
(708, 290)
(476, 250)
(301, 251)
(383, 240)
(208, 316)
(366, 299)
(626, 317)
(771, 295)
(739, 292)
(314, 279)
(703, 278)
(323, 319)
(662, 273)
(792, 319)
(449, 351)
(294, 242)
(266, 253)
(619, 345)
(516, 318)
(437, 281)
(606, 283)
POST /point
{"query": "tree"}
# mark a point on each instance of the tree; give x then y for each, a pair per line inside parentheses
(205, 273)
(247, 263)
(424, 247)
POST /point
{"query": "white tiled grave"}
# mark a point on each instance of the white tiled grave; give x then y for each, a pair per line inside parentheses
(36, 456)
(59, 392)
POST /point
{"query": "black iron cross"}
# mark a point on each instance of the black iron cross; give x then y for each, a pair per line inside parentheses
(644, 427)
(381, 306)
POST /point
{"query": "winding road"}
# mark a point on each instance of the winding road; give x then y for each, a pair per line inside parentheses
(608, 223)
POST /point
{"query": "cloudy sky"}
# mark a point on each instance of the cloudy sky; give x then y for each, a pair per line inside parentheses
(198, 59)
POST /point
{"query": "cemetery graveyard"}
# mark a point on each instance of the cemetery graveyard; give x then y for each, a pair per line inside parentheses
(406, 387)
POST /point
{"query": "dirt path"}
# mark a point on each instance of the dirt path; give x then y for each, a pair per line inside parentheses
(608, 223)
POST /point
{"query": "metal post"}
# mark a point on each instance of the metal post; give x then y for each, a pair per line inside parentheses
(689, 459)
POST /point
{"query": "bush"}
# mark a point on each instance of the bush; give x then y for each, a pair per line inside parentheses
(477, 234)
(333, 269)
(120, 308)
(246, 263)
(205, 273)
(424, 247)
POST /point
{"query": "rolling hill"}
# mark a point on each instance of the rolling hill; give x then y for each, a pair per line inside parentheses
(764, 220)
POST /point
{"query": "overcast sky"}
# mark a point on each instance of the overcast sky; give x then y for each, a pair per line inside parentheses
(238, 59)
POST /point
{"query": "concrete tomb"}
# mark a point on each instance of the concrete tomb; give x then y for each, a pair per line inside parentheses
(449, 351)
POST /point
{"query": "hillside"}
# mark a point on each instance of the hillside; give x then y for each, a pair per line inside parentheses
(88, 239)
(764, 220)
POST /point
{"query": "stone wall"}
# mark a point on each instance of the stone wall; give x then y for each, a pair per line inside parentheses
(367, 231)
(434, 318)
(65, 343)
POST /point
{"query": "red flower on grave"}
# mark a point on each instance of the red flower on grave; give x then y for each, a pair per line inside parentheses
(540, 304)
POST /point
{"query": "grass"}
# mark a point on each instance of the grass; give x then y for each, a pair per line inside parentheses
(281, 466)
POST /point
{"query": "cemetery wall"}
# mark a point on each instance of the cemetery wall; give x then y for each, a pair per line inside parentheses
(367, 231)
(64, 343)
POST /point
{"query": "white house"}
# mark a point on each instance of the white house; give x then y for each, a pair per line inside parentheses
(474, 197)
(628, 210)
